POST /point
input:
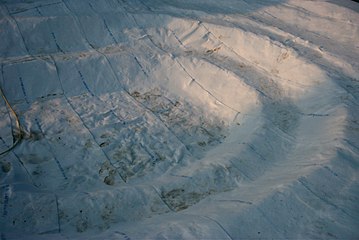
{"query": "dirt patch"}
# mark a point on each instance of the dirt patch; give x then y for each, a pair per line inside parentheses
(180, 199)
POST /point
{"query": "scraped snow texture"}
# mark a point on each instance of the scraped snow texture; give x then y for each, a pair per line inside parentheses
(169, 119)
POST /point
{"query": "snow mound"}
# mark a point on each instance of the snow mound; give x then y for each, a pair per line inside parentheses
(179, 120)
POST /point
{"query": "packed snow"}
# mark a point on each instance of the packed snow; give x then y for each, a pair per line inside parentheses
(179, 119)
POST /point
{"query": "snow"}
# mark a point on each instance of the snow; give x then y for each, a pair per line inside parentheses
(180, 119)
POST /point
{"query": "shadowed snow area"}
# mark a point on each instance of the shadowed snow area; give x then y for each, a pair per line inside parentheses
(169, 119)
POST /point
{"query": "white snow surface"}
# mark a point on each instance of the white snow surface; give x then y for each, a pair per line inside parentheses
(180, 119)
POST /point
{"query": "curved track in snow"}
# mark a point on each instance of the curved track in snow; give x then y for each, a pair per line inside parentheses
(173, 119)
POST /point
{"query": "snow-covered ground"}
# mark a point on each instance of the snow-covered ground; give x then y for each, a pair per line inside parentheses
(180, 119)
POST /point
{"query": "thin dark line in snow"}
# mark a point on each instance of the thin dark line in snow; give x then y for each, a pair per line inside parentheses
(17, 26)
(142, 105)
(160, 196)
(80, 118)
(241, 171)
(141, 67)
(41, 5)
(220, 225)
(323, 199)
(234, 200)
(118, 80)
(105, 23)
(23, 90)
(78, 23)
(5, 202)
(256, 151)
(58, 214)
(21, 163)
(51, 150)
(52, 33)
(56, 43)
(185, 70)
(85, 84)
